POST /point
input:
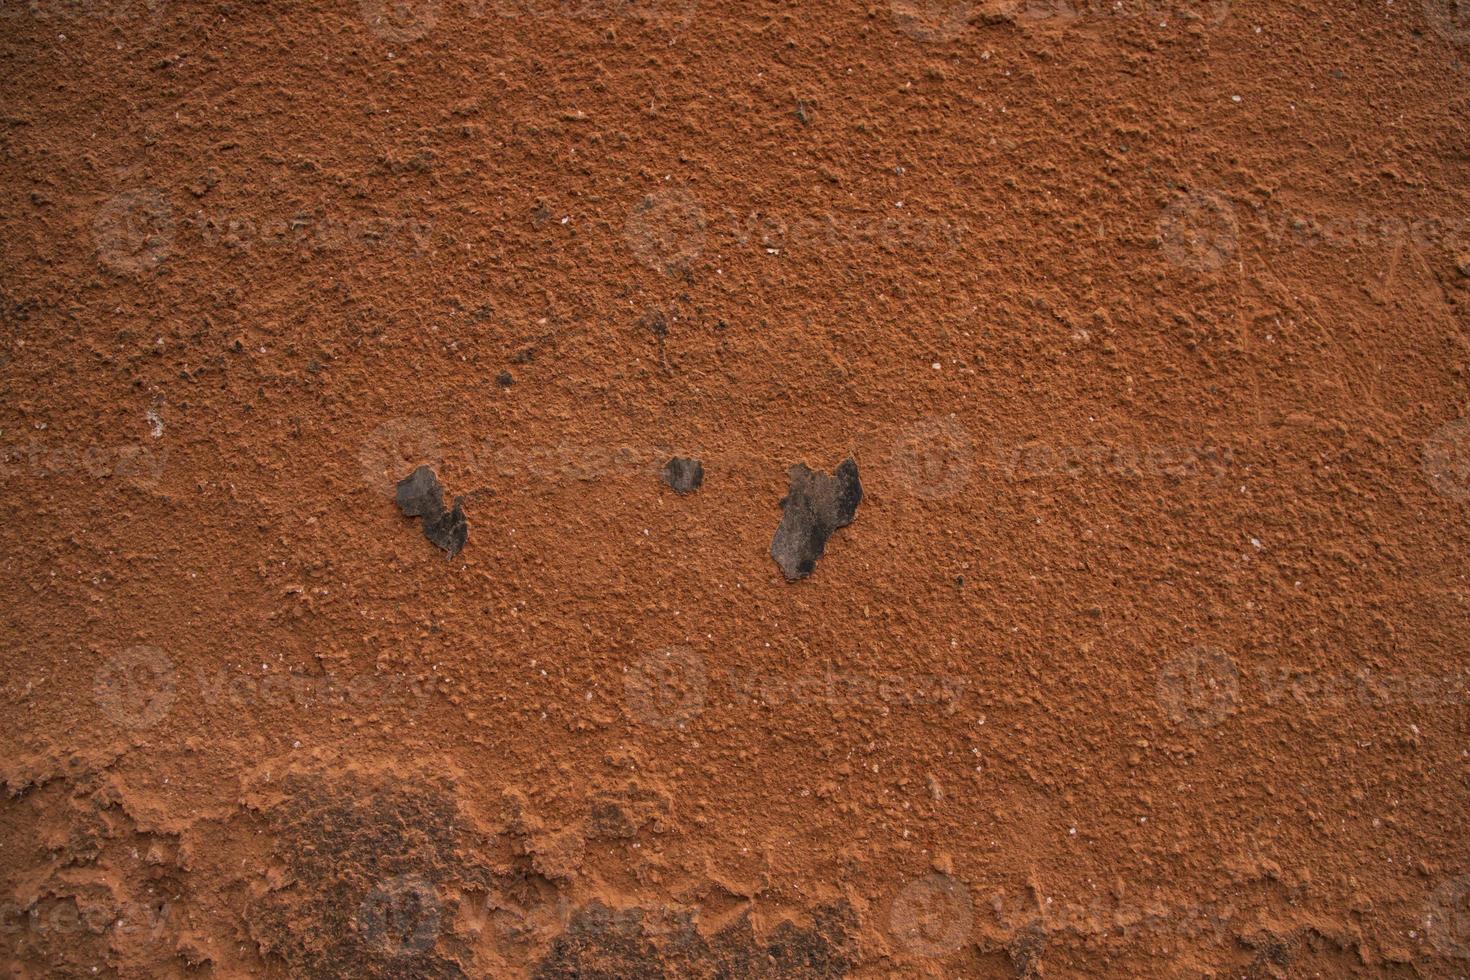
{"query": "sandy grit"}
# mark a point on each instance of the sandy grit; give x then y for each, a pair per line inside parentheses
(1137, 648)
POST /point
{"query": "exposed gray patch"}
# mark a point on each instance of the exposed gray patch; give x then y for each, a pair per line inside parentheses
(601, 943)
(420, 495)
(449, 530)
(683, 475)
(368, 863)
(814, 507)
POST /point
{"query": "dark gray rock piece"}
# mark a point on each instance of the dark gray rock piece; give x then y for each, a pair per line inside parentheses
(684, 475)
(815, 506)
(449, 530)
(420, 495)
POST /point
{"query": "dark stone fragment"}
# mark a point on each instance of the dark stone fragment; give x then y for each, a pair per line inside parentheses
(684, 475)
(420, 495)
(449, 530)
(504, 379)
(814, 507)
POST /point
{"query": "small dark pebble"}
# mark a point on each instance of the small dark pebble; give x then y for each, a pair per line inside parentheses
(420, 495)
(504, 379)
(684, 475)
(815, 506)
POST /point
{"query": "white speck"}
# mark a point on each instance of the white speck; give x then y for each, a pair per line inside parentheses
(155, 422)
(1235, 98)
(935, 365)
(1256, 542)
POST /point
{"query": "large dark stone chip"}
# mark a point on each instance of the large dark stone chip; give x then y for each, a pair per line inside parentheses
(449, 530)
(420, 495)
(815, 506)
(684, 475)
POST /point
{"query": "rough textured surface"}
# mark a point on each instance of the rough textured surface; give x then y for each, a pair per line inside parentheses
(683, 475)
(1146, 321)
(814, 507)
